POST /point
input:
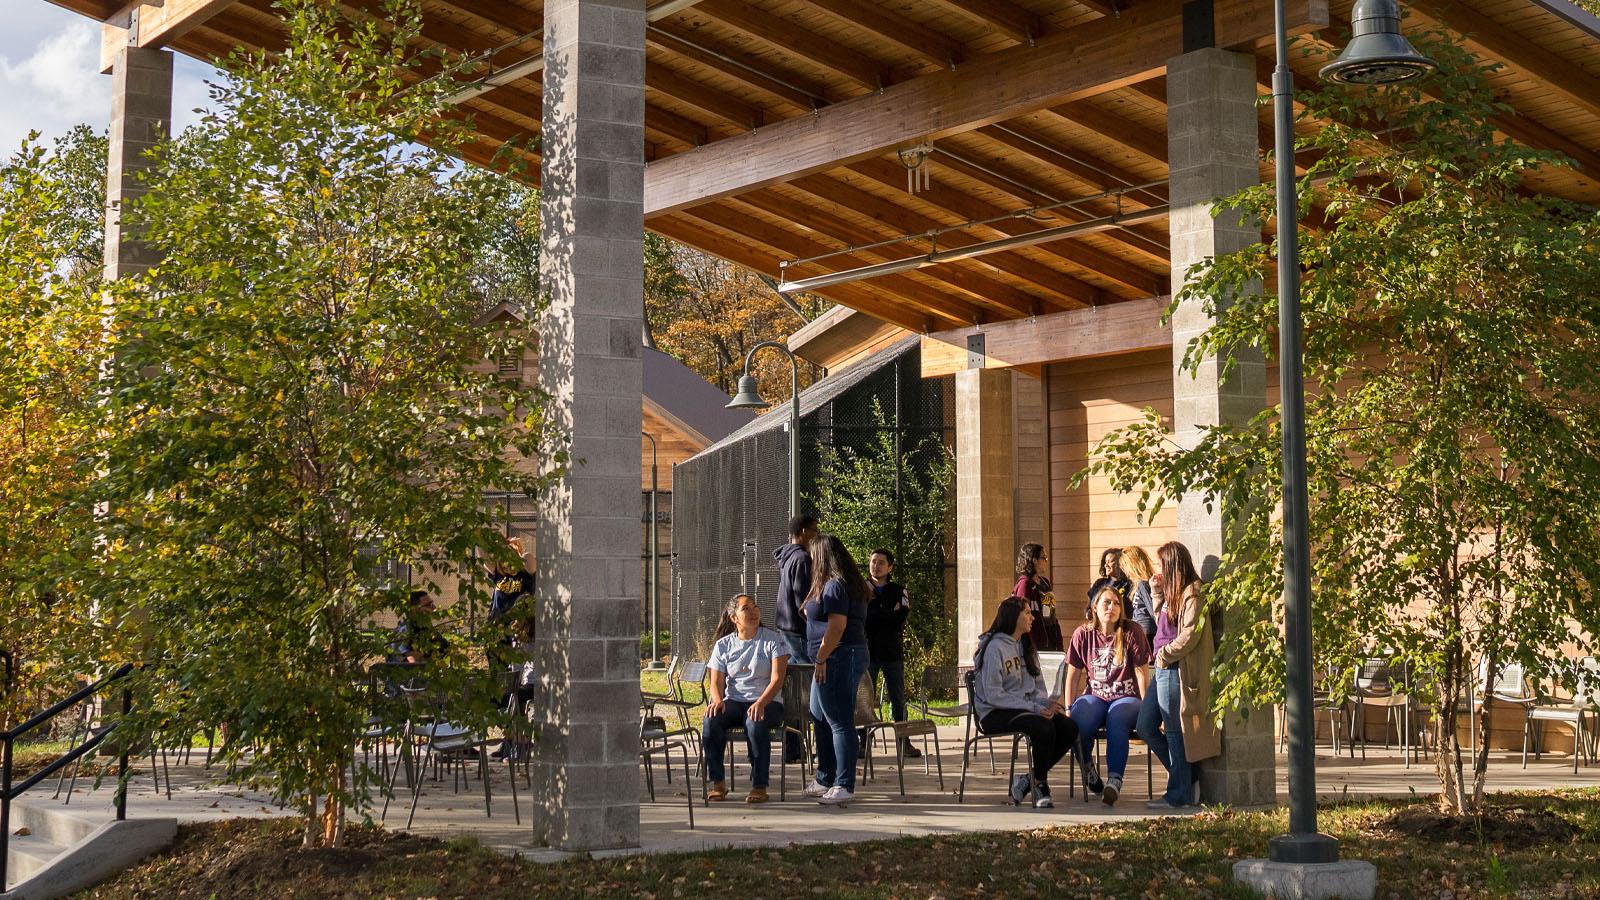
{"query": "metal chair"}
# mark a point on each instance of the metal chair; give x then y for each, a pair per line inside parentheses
(693, 672)
(1327, 696)
(796, 696)
(653, 741)
(1378, 683)
(968, 680)
(1575, 713)
(938, 682)
(870, 723)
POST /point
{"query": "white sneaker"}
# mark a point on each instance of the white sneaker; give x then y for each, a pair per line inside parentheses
(836, 796)
(815, 789)
(1021, 787)
(1043, 801)
(1112, 791)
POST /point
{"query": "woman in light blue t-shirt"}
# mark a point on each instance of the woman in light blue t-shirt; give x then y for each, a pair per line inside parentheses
(747, 668)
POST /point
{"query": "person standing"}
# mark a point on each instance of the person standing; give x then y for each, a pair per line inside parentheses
(794, 582)
(510, 585)
(1113, 656)
(887, 612)
(748, 665)
(1034, 587)
(836, 637)
(1137, 566)
(1111, 576)
(1175, 717)
(1009, 694)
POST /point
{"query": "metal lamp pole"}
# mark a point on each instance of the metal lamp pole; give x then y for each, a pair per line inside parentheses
(749, 397)
(1377, 54)
(655, 563)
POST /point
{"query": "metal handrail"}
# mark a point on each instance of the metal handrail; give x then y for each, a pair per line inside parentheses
(9, 792)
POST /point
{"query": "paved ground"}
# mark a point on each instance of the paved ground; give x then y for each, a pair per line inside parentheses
(880, 812)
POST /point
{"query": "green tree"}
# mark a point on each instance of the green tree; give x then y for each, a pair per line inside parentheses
(1452, 323)
(858, 501)
(51, 213)
(294, 406)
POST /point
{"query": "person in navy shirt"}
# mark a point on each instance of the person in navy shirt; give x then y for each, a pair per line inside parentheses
(836, 636)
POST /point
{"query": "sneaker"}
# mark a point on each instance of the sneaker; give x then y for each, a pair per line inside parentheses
(815, 789)
(1091, 778)
(718, 792)
(1112, 791)
(1021, 787)
(756, 795)
(836, 796)
(1042, 800)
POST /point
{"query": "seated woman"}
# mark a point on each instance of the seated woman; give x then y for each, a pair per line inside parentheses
(747, 669)
(1115, 657)
(1010, 695)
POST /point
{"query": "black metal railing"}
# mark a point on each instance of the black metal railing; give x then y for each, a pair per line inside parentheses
(10, 791)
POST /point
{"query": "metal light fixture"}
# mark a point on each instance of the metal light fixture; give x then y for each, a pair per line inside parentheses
(1378, 53)
(749, 395)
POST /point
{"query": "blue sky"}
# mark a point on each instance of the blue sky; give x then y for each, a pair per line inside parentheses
(49, 78)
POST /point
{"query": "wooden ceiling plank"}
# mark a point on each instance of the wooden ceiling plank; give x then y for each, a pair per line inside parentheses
(1071, 64)
(787, 88)
(910, 222)
(932, 46)
(973, 208)
(1084, 166)
(677, 127)
(784, 241)
(1551, 70)
(1114, 128)
(786, 35)
(1012, 20)
(703, 97)
(821, 221)
(502, 14)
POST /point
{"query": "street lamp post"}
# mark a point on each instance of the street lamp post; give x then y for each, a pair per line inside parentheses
(1377, 54)
(749, 397)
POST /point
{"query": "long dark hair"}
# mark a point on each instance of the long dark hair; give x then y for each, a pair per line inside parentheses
(1177, 573)
(1115, 555)
(830, 559)
(1027, 557)
(725, 625)
(1119, 630)
(1005, 622)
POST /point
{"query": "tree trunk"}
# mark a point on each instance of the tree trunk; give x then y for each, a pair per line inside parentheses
(1480, 766)
(333, 811)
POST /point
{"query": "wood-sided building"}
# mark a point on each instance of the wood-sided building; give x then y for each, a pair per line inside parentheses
(1016, 180)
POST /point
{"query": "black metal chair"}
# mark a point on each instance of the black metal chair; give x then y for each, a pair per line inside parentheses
(974, 724)
(871, 724)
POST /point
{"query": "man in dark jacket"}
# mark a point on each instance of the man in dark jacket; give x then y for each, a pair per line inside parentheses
(794, 583)
(887, 612)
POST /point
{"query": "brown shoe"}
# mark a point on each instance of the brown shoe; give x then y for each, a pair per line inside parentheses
(718, 791)
(756, 795)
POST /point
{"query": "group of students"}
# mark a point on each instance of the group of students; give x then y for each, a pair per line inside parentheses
(829, 616)
(1141, 664)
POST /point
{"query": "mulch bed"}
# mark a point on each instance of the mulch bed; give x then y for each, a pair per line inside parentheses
(1513, 828)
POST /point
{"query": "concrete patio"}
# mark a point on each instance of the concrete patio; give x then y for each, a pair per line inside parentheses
(878, 813)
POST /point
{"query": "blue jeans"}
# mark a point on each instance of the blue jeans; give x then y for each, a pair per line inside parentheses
(1160, 710)
(1117, 717)
(758, 735)
(833, 716)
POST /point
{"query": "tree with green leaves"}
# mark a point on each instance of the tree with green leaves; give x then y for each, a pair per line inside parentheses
(1452, 358)
(51, 215)
(295, 409)
(896, 495)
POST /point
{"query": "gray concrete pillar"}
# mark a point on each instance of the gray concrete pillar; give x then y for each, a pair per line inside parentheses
(141, 116)
(1212, 152)
(986, 476)
(586, 768)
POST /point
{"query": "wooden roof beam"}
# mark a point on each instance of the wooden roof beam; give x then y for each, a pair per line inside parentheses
(822, 221)
(785, 35)
(1068, 65)
(1085, 167)
(152, 23)
(1012, 20)
(930, 45)
(790, 89)
(1114, 128)
(854, 296)
(703, 97)
(1552, 71)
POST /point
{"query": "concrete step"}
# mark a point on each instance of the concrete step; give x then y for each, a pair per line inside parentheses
(59, 824)
(26, 854)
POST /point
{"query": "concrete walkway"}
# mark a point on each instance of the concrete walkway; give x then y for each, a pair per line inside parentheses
(879, 812)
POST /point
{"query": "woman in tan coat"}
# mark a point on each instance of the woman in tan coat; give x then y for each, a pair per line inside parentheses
(1175, 718)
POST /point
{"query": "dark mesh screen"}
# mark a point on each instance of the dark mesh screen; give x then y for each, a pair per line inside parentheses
(731, 506)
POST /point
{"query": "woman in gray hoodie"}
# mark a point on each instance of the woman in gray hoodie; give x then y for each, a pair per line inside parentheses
(1011, 696)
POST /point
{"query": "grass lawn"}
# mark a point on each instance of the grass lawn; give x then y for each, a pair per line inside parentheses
(1172, 857)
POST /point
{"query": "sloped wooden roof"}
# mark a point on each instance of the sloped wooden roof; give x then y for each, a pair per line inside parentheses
(772, 125)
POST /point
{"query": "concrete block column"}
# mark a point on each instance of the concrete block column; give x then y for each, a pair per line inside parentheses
(1213, 152)
(986, 475)
(141, 116)
(586, 768)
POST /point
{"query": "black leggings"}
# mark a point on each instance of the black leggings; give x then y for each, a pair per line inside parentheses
(1051, 737)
